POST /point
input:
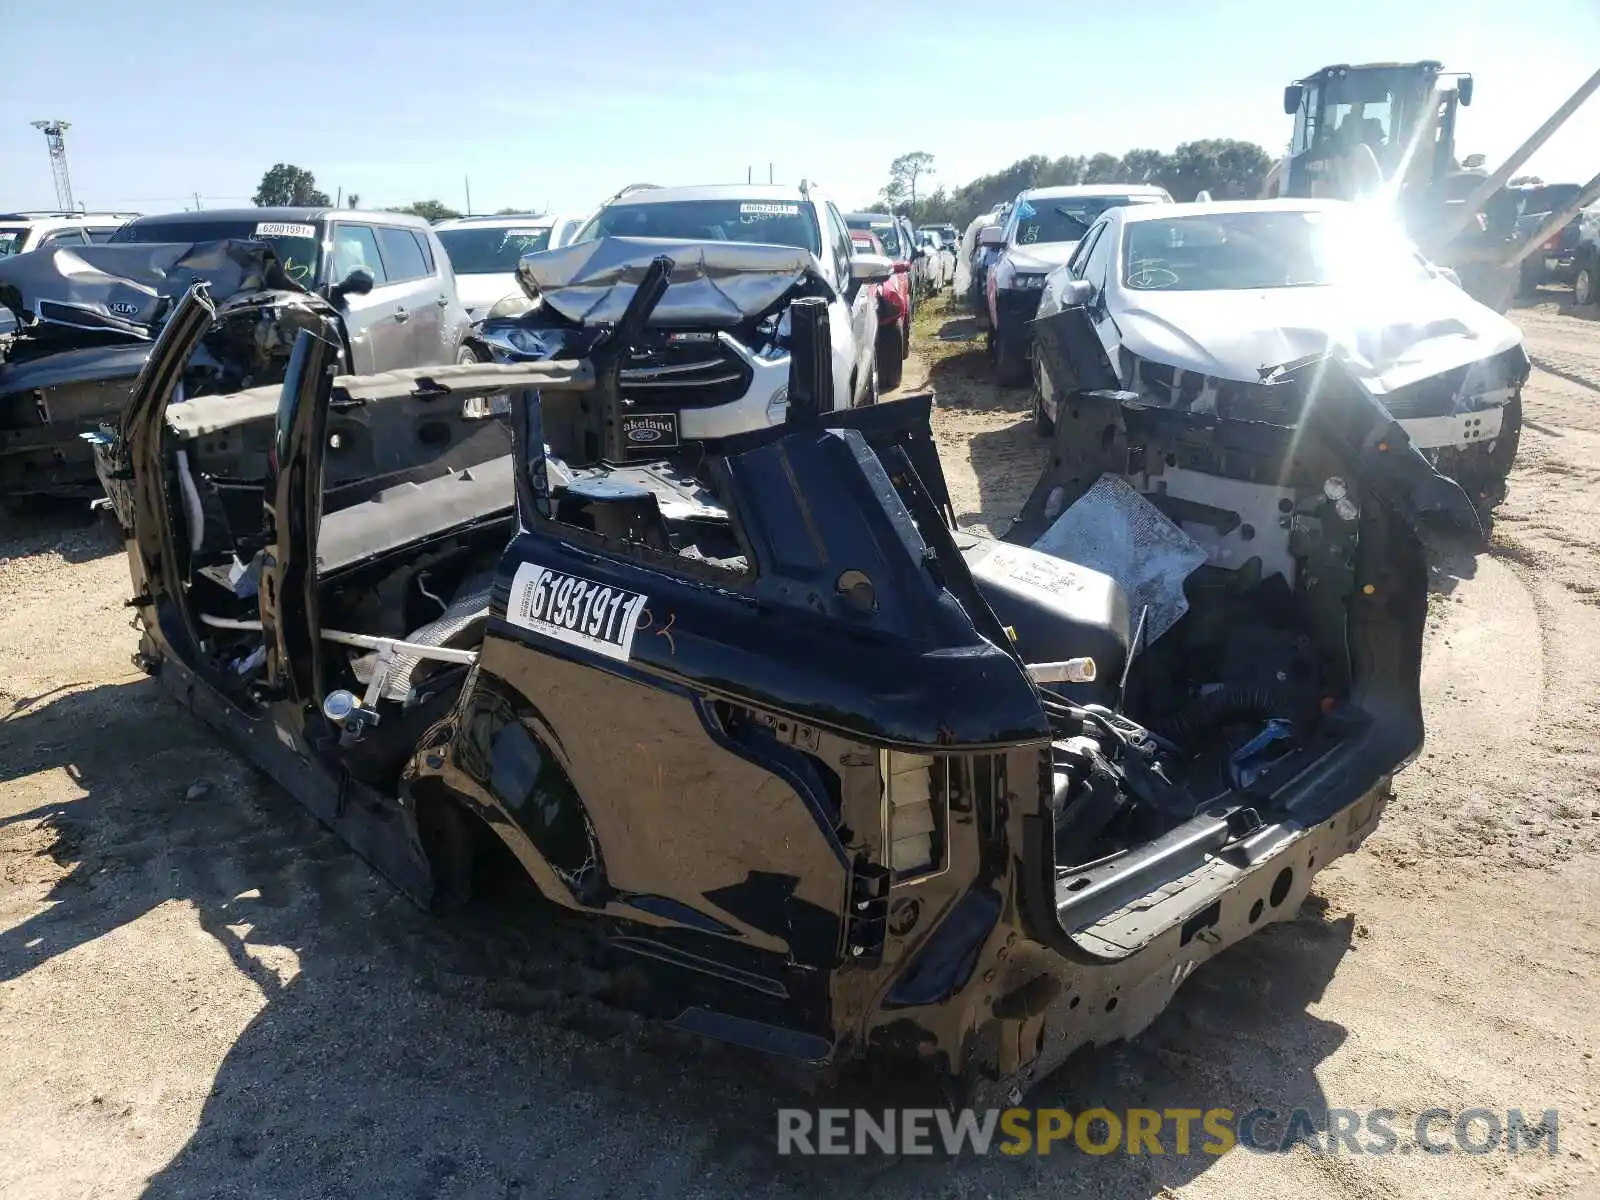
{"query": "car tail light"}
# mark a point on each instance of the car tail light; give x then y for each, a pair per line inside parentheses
(900, 268)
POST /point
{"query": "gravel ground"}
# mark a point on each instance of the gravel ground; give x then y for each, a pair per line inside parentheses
(203, 993)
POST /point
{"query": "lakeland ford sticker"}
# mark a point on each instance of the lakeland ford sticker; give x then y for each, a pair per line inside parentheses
(578, 612)
(280, 229)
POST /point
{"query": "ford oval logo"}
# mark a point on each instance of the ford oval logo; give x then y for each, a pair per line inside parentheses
(644, 435)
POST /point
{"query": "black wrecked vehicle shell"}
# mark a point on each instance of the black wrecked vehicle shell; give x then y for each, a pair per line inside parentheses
(717, 794)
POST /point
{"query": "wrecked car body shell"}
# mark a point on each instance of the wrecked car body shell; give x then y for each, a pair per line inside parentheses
(769, 721)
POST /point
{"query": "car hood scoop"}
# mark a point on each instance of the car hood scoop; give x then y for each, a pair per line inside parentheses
(716, 284)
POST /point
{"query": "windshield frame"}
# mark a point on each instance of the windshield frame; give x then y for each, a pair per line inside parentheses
(505, 231)
(1398, 261)
(592, 229)
(135, 233)
(1106, 202)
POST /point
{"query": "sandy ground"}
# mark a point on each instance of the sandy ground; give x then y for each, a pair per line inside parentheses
(203, 993)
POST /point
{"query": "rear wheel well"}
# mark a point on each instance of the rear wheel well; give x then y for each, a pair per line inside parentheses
(465, 856)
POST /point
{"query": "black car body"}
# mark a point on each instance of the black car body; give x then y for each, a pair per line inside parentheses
(1557, 260)
(757, 709)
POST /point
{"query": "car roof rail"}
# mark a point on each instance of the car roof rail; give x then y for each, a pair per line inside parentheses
(629, 190)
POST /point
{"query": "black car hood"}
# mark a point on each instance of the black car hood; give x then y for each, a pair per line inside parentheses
(127, 290)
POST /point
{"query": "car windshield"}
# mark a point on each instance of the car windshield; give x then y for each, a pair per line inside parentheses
(1249, 250)
(771, 222)
(11, 239)
(297, 244)
(1065, 218)
(491, 251)
(883, 230)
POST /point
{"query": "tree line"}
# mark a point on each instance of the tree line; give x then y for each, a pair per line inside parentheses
(286, 185)
(1226, 168)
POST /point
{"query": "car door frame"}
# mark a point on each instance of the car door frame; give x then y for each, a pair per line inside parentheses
(419, 296)
(1105, 326)
(846, 343)
(370, 319)
(857, 299)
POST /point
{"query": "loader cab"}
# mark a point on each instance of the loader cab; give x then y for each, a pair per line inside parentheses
(1403, 113)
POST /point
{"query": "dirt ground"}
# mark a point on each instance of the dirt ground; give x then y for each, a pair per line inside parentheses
(203, 993)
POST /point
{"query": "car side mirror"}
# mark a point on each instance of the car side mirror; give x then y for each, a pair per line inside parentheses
(1291, 99)
(991, 235)
(358, 283)
(870, 268)
(1079, 293)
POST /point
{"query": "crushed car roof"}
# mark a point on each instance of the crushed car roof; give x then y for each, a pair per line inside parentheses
(712, 283)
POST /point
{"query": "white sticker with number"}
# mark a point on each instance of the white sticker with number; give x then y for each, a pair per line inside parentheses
(769, 210)
(579, 612)
(281, 229)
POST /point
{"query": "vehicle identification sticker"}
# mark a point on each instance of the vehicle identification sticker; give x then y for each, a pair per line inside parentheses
(525, 232)
(769, 210)
(578, 612)
(650, 431)
(282, 229)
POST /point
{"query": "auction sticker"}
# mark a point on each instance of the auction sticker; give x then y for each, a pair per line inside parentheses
(769, 210)
(576, 611)
(280, 229)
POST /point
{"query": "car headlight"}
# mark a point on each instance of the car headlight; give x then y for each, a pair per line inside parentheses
(526, 341)
(1027, 282)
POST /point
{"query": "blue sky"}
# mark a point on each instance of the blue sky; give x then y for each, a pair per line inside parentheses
(565, 103)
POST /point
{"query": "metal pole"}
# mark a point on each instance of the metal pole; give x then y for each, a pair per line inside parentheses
(468, 182)
(1464, 216)
(1536, 240)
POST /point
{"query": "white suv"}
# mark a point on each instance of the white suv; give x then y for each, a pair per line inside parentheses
(1039, 234)
(485, 251)
(771, 214)
(21, 232)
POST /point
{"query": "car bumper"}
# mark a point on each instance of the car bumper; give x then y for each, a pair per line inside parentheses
(1134, 959)
(1015, 307)
(1458, 429)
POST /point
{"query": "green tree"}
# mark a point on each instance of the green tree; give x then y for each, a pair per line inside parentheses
(901, 190)
(1103, 168)
(517, 212)
(285, 183)
(430, 210)
(354, 200)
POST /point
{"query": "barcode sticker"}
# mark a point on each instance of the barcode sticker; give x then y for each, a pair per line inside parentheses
(280, 229)
(575, 611)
